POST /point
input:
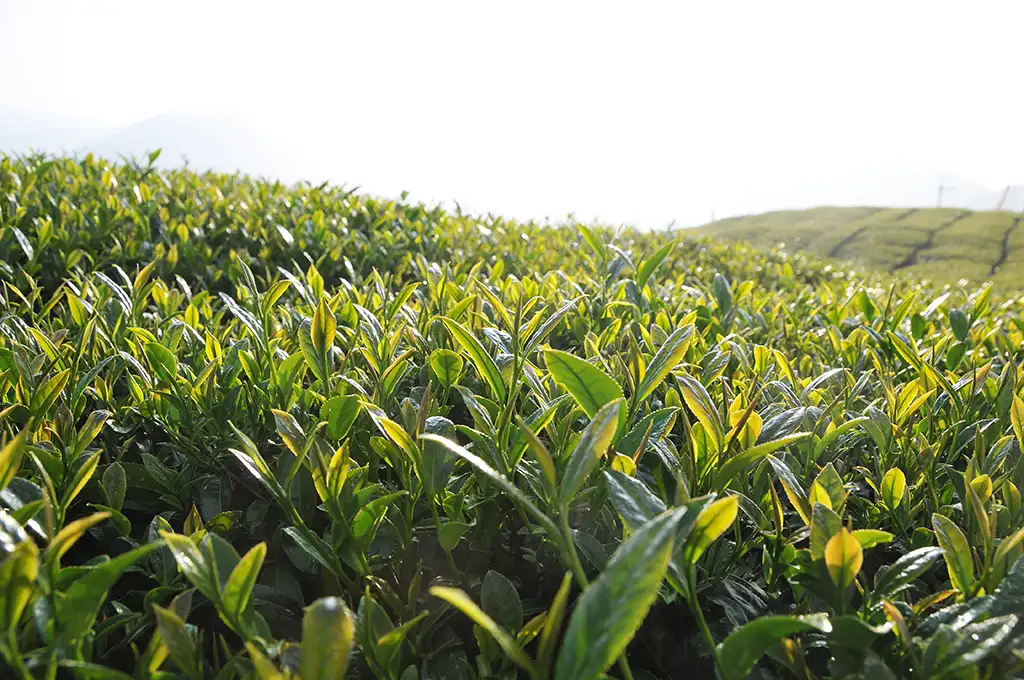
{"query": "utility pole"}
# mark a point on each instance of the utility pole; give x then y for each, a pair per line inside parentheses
(942, 189)
(1002, 199)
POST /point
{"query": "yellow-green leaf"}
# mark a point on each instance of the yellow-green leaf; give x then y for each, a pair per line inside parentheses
(10, 457)
(711, 523)
(1017, 419)
(463, 603)
(593, 444)
(237, 593)
(699, 401)
(481, 360)
(666, 359)
(894, 486)
(322, 330)
(959, 561)
(81, 478)
(70, 534)
(18, 572)
(843, 557)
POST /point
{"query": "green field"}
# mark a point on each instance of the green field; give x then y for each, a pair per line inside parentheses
(251, 431)
(940, 244)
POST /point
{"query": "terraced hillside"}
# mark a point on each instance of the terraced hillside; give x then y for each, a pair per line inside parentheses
(942, 244)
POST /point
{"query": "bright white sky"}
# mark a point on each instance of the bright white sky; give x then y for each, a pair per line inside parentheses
(628, 111)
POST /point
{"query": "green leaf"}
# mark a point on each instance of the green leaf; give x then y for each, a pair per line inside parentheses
(45, 396)
(398, 435)
(18, 572)
(635, 503)
(11, 456)
(667, 358)
(498, 597)
(290, 432)
(959, 322)
(463, 603)
(489, 472)
(1017, 419)
(853, 632)
(237, 592)
(651, 264)
(894, 486)
(163, 362)
(959, 561)
(180, 645)
(328, 631)
(451, 533)
(540, 453)
(722, 292)
(438, 460)
(699, 401)
(314, 546)
(610, 611)
(193, 564)
(825, 524)
(92, 671)
(549, 325)
(81, 478)
(739, 652)
(843, 557)
(869, 538)
(114, 484)
(70, 534)
(791, 485)
(591, 387)
(446, 366)
(741, 461)
(553, 623)
(369, 516)
(340, 413)
(81, 603)
(904, 571)
(712, 522)
(822, 445)
(481, 360)
(829, 480)
(496, 305)
(593, 444)
(321, 331)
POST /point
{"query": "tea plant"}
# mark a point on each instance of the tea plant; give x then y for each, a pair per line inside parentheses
(257, 431)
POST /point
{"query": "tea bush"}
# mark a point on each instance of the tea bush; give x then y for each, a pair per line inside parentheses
(257, 431)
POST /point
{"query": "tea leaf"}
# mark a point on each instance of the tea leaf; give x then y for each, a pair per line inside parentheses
(591, 387)
(611, 610)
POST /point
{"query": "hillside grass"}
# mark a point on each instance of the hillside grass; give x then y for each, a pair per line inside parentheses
(944, 245)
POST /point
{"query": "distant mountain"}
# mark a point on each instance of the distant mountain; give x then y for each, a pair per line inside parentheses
(210, 142)
(21, 131)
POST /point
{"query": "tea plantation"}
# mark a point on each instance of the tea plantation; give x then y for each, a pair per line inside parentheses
(257, 431)
(945, 245)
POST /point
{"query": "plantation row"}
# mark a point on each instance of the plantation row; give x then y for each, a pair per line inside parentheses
(257, 431)
(946, 245)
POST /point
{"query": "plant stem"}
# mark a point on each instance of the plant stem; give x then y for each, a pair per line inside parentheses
(437, 524)
(581, 578)
(698, 614)
(14, 660)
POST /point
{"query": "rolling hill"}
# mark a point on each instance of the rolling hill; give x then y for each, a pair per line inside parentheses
(941, 244)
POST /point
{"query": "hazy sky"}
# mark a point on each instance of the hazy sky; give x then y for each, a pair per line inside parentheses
(617, 110)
